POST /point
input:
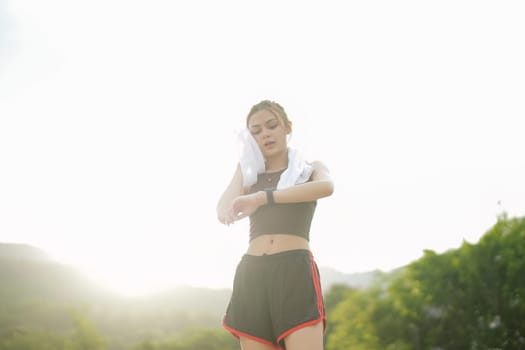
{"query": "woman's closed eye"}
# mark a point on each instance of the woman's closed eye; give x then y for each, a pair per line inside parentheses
(272, 124)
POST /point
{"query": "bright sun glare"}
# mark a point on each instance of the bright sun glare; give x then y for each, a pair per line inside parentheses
(134, 279)
(129, 273)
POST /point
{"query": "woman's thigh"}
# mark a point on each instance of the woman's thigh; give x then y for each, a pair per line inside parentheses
(307, 338)
(249, 344)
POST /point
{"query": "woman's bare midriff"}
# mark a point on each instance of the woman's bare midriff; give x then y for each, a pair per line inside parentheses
(276, 243)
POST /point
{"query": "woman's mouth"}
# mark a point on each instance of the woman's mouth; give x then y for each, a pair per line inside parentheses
(269, 144)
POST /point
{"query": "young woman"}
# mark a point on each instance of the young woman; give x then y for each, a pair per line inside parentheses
(276, 301)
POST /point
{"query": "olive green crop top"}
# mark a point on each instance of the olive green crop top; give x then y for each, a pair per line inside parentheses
(289, 218)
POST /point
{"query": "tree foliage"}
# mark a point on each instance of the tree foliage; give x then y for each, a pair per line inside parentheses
(472, 297)
(197, 339)
(83, 336)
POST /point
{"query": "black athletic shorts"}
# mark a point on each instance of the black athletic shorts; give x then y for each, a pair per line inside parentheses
(273, 296)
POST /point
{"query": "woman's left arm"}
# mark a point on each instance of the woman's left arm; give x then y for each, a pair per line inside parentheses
(320, 186)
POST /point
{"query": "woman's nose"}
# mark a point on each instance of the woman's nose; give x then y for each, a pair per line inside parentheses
(265, 132)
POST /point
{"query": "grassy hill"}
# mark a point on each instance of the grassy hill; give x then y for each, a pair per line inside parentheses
(14, 251)
(37, 293)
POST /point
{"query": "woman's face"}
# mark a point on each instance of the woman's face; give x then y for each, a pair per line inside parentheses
(269, 131)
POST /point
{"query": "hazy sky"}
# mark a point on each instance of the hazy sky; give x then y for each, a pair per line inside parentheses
(117, 124)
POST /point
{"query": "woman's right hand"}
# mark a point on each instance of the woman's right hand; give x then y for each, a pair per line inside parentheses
(247, 204)
(225, 206)
(226, 217)
(242, 206)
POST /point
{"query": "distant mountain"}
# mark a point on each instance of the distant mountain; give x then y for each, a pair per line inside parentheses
(17, 251)
(23, 252)
(330, 276)
(39, 293)
(27, 274)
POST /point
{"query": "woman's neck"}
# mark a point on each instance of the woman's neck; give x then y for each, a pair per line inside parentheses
(278, 162)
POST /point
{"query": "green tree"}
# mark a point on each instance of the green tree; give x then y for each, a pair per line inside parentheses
(85, 336)
(468, 298)
(471, 298)
(351, 322)
(31, 340)
(208, 339)
(82, 337)
(197, 339)
(335, 295)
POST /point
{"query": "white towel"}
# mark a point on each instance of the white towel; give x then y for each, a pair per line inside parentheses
(251, 159)
(252, 163)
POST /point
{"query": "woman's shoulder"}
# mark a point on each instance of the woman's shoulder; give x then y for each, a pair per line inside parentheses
(317, 164)
(320, 171)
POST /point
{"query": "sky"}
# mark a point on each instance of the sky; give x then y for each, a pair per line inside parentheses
(118, 123)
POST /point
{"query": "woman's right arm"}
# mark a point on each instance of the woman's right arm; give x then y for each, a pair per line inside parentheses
(224, 207)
